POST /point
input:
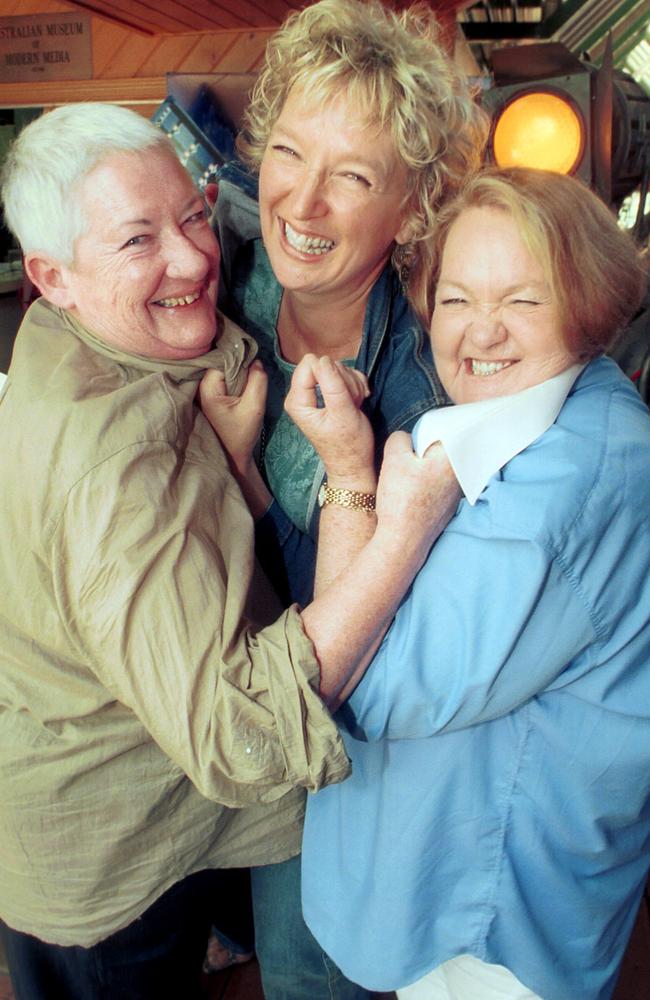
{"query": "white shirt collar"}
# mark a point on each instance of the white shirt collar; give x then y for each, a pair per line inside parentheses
(480, 438)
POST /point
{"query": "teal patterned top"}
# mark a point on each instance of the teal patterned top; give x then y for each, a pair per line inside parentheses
(289, 461)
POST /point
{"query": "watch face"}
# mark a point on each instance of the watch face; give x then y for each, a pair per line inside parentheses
(321, 495)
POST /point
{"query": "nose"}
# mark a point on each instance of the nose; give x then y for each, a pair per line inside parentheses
(309, 196)
(187, 260)
(486, 327)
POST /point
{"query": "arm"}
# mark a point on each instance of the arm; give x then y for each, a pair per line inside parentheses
(362, 573)
(343, 438)
(365, 563)
(155, 578)
(237, 421)
(285, 553)
(349, 617)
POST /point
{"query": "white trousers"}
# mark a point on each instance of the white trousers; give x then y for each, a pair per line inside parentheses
(467, 978)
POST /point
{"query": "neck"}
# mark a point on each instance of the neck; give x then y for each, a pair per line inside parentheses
(312, 326)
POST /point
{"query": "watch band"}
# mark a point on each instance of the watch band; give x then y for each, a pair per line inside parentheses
(345, 498)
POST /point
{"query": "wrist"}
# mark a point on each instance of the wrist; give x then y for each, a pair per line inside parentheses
(361, 480)
(241, 465)
(255, 491)
(361, 500)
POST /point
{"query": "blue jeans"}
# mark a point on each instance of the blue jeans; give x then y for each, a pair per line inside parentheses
(292, 963)
(157, 957)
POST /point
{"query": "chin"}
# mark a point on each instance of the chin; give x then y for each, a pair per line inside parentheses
(203, 332)
(491, 391)
(192, 346)
(203, 344)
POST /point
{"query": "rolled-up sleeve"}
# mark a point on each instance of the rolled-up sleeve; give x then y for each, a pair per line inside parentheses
(154, 566)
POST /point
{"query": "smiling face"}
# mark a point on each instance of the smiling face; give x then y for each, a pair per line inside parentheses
(332, 193)
(145, 272)
(496, 328)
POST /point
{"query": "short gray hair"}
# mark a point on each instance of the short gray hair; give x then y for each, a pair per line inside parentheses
(51, 157)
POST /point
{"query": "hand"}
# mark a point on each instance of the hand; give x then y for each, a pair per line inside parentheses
(339, 431)
(416, 497)
(237, 420)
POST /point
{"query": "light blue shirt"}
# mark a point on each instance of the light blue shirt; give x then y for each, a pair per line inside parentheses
(499, 803)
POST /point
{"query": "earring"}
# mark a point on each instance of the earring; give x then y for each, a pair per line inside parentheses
(403, 259)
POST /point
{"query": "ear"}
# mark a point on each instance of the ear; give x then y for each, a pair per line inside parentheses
(405, 232)
(210, 192)
(50, 277)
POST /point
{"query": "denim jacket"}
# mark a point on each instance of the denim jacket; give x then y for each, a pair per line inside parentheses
(395, 354)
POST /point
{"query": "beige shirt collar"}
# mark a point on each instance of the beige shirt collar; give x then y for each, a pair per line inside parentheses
(232, 353)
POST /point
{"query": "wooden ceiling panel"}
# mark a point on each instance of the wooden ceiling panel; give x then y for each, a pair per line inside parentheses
(20, 8)
(166, 17)
(217, 16)
(173, 17)
(168, 56)
(178, 16)
(277, 9)
(250, 13)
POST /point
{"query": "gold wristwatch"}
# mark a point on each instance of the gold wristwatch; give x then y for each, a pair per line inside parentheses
(345, 498)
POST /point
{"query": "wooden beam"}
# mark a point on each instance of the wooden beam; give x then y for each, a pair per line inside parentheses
(137, 90)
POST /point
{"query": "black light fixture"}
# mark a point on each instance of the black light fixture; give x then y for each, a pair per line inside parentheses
(552, 110)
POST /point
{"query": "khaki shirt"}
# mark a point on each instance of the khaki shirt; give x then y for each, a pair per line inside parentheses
(149, 726)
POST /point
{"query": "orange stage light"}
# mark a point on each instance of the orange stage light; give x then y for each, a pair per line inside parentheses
(541, 129)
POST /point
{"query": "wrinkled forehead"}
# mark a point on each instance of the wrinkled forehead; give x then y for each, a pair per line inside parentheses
(125, 186)
(135, 184)
(130, 167)
(316, 94)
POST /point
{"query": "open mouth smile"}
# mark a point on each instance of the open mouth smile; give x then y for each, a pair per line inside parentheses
(482, 368)
(314, 246)
(173, 303)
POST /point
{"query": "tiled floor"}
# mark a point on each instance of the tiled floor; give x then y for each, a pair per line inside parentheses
(242, 982)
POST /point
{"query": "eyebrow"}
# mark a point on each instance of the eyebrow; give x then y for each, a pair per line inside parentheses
(135, 222)
(377, 165)
(195, 199)
(509, 290)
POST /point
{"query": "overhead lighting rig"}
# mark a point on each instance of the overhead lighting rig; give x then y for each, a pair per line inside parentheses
(552, 110)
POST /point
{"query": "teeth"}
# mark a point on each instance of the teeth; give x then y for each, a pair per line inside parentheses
(488, 367)
(184, 300)
(307, 244)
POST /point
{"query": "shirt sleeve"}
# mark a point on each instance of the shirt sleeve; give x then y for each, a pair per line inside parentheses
(492, 621)
(154, 564)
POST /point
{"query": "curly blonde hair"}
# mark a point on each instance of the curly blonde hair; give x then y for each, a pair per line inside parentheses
(398, 76)
(595, 270)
